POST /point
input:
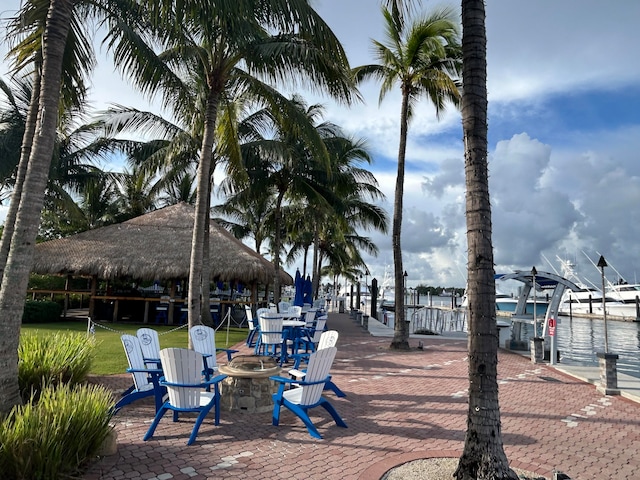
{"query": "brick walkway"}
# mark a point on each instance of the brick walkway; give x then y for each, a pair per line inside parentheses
(399, 406)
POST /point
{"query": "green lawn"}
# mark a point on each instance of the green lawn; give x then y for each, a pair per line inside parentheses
(110, 357)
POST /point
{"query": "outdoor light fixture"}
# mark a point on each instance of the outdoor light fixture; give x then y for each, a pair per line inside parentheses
(534, 272)
(601, 264)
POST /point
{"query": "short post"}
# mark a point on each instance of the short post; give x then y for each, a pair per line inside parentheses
(608, 373)
(537, 349)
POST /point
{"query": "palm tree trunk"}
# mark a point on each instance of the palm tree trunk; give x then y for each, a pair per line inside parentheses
(276, 247)
(483, 456)
(19, 261)
(25, 152)
(401, 328)
(202, 211)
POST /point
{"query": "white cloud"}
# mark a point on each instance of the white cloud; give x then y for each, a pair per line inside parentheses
(559, 184)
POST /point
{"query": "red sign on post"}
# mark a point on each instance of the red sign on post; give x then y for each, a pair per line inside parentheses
(552, 327)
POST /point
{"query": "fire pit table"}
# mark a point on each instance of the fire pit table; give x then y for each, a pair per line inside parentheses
(247, 387)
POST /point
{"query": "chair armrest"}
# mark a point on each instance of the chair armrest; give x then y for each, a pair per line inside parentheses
(151, 371)
(228, 350)
(294, 372)
(300, 382)
(283, 380)
(211, 381)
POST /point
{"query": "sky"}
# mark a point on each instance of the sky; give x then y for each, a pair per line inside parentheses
(564, 140)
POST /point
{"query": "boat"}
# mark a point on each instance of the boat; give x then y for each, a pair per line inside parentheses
(588, 299)
(628, 293)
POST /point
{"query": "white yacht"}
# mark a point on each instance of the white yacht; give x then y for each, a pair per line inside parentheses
(588, 300)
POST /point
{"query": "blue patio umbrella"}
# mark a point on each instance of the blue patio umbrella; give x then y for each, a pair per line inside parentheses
(299, 286)
(308, 290)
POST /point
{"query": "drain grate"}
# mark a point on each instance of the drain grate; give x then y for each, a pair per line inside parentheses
(551, 379)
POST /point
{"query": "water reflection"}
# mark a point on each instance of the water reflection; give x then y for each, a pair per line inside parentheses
(580, 339)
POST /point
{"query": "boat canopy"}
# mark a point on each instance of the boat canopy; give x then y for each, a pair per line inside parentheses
(544, 281)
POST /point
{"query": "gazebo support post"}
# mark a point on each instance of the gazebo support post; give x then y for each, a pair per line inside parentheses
(94, 290)
(172, 303)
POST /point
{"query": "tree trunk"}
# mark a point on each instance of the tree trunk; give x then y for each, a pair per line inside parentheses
(25, 152)
(483, 456)
(16, 273)
(400, 328)
(202, 211)
(276, 247)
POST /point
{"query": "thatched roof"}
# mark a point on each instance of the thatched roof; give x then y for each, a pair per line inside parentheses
(154, 246)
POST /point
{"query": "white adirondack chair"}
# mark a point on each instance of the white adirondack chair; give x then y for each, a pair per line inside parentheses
(203, 340)
(183, 380)
(308, 393)
(283, 307)
(253, 326)
(310, 317)
(270, 341)
(145, 380)
(327, 339)
(150, 344)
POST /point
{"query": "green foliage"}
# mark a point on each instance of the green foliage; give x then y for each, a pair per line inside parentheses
(56, 282)
(54, 437)
(41, 311)
(108, 350)
(51, 360)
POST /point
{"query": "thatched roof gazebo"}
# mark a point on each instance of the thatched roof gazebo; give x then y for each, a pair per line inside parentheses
(154, 246)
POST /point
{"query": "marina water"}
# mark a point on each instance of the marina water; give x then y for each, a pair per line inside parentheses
(580, 339)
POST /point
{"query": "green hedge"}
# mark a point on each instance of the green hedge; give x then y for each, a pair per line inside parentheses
(55, 437)
(63, 421)
(41, 311)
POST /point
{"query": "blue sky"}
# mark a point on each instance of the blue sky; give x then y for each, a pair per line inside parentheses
(564, 137)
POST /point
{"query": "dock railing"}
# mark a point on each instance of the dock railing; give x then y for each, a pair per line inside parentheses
(438, 320)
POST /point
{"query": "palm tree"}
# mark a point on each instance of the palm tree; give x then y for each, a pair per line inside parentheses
(423, 59)
(483, 456)
(18, 266)
(230, 45)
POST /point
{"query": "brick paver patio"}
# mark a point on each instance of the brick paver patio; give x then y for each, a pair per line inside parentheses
(399, 406)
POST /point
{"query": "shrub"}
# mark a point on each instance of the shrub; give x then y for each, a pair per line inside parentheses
(41, 311)
(57, 435)
(52, 359)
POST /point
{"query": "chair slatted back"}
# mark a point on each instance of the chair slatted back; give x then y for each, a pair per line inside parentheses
(319, 329)
(133, 351)
(182, 366)
(149, 342)
(328, 339)
(318, 368)
(250, 319)
(283, 307)
(310, 317)
(270, 329)
(295, 311)
(203, 340)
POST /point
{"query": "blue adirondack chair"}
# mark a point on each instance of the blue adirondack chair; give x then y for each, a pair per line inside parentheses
(307, 393)
(187, 392)
(145, 380)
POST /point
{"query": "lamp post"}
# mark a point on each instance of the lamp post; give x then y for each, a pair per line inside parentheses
(607, 361)
(601, 264)
(534, 272)
(404, 284)
(537, 343)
